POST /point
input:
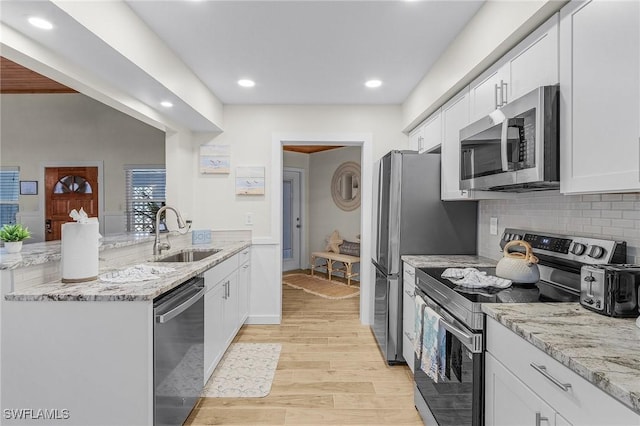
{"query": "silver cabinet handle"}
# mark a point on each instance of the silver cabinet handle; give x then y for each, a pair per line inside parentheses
(410, 272)
(503, 93)
(495, 95)
(228, 289)
(540, 419)
(410, 294)
(245, 252)
(245, 266)
(543, 370)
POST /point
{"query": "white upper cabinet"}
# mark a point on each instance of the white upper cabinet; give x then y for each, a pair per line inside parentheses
(427, 136)
(532, 63)
(455, 115)
(599, 96)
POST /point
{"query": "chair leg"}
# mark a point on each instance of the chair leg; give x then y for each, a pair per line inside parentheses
(348, 273)
(329, 268)
(313, 264)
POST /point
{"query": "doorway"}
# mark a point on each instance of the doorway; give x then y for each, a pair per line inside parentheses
(292, 218)
(68, 188)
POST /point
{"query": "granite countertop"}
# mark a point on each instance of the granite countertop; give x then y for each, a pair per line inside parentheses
(448, 261)
(39, 253)
(603, 350)
(100, 291)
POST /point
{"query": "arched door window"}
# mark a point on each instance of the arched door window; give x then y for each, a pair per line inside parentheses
(70, 183)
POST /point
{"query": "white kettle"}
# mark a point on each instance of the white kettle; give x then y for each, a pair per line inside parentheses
(518, 267)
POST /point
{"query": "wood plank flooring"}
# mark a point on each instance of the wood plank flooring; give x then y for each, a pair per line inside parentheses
(330, 372)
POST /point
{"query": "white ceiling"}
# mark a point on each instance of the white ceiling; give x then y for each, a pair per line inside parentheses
(298, 52)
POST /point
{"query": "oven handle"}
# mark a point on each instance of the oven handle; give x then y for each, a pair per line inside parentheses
(472, 341)
(469, 340)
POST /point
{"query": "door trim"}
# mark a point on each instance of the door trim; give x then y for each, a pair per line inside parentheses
(304, 261)
(101, 190)
(365, 142)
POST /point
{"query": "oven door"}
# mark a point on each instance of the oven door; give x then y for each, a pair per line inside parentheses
(457, 398)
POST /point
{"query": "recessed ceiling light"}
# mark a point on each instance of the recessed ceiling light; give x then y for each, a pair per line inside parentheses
(373, 83)
(41, 23)
(246, 83)
(166, 104)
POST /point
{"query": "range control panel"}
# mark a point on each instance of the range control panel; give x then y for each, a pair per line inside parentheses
(586, 250)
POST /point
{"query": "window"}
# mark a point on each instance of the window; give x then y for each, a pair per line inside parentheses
(145, 194)
(9, 190)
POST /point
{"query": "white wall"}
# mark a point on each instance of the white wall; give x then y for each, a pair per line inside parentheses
(324, 215)
(46, 128)
(493, 30)
(248, 131)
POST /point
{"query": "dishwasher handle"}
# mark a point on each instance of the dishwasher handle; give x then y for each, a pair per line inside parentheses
(168, 316)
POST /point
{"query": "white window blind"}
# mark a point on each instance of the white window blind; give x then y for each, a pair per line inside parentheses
(145, 194)
(9, 193)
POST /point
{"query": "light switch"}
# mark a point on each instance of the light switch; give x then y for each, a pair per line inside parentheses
(493, 226)
(249, 219)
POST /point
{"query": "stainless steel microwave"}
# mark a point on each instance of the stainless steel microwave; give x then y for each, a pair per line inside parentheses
(515, 148)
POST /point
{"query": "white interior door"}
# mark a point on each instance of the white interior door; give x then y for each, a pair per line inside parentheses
(291, 220)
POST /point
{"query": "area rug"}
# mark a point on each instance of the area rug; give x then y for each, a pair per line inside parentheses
(245, 371)
(320, 286)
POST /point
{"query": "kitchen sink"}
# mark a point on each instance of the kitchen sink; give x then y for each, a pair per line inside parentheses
(189, 255)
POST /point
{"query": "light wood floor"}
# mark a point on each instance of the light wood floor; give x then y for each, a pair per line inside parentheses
(330, 372)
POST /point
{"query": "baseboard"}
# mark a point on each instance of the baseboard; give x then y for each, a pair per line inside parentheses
(263, 319)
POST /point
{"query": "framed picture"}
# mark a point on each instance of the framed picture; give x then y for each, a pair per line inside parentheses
(215, 159)
(250, 180)
(28, 187)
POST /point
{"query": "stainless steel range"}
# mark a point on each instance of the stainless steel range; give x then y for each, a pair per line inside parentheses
(455, 396)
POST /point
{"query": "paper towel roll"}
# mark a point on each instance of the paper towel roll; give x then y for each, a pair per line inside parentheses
(79, 261)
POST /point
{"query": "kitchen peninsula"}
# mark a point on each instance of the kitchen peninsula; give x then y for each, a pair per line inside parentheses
(86, 349)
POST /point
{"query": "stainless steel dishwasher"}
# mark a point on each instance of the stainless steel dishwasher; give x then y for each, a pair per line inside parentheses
(178, 352)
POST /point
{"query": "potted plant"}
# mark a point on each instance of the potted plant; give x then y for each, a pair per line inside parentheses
(12, 235)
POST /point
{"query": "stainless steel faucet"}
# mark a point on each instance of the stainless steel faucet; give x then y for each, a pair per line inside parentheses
(157, 245)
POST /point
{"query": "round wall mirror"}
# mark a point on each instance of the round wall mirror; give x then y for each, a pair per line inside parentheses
(345, 186)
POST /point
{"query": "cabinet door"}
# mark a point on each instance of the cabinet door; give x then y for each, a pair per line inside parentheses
(416, 138)
(533, 62)
(432, 133)
(455, 115)
(599, 86)
(408, 314)
(244, 280)
(509, 402)
(230, 319)
(484, 92)
(214, 342)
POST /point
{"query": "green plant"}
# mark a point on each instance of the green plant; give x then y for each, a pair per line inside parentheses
(12, 233)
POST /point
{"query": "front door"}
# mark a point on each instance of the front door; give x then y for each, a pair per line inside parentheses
(68, 188)
(291, 222)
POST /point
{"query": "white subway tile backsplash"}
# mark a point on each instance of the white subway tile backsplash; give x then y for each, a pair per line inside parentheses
(610, 216)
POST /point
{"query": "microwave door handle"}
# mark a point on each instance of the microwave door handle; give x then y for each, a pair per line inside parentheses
(503, 146)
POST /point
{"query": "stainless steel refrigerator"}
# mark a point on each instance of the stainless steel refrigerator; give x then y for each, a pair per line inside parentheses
(411, 219)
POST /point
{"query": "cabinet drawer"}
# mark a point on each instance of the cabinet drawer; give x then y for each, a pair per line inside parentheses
(407, 351)
(244, 255)
(581, 404)
(216, 274)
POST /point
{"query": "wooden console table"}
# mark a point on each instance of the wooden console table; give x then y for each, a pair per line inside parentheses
(331, 258)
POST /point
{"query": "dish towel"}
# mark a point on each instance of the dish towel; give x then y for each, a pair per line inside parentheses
(471, 277)
(417, 328)
(433, 359)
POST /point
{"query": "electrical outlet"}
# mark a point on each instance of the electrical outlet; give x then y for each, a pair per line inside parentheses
(493, 226)
(249, 219)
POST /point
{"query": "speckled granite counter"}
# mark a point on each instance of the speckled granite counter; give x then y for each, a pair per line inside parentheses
(99, 291)
(39, 253)
(603, 350)
(447, 261)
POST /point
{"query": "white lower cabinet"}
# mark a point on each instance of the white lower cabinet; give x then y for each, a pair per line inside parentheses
(408, 313)
(226, 306)
(509, 402)
(525, 386)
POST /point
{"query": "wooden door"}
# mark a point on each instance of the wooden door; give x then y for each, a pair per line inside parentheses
(68, 188)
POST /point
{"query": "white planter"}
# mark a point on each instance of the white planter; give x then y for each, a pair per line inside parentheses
(13, 246)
